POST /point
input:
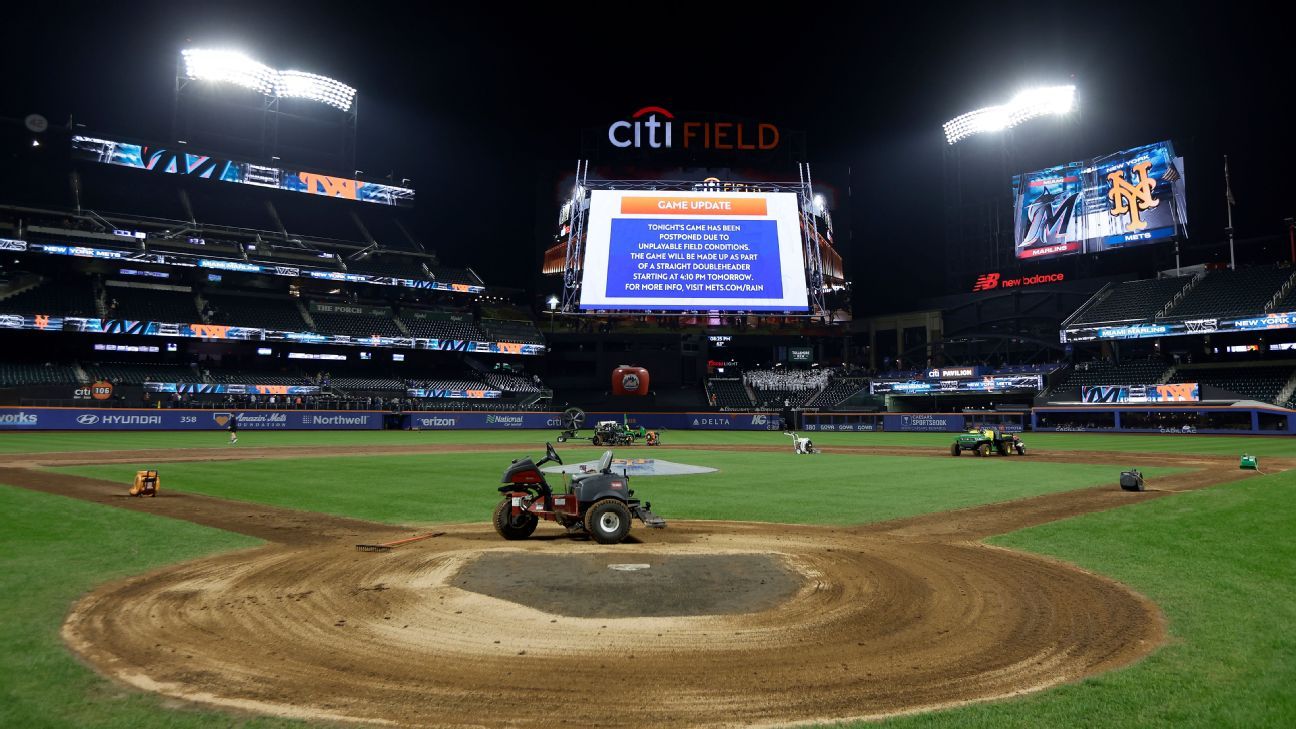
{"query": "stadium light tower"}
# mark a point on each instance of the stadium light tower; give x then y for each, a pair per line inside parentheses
(235, 68)
(1026, 105)
(323, 128)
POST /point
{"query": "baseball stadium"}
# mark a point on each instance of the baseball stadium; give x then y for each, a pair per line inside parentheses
(642, 384)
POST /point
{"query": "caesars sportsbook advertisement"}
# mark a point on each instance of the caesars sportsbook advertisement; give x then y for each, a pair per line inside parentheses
(693, 250)
(1130, 198)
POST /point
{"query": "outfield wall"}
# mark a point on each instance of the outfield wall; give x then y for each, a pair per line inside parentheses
(16, 418)
(50, 418)
(477, 420)
(909, 422)
(1185, 419)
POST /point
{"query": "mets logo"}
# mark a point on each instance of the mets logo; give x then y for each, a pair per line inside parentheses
(221, 418)
(1130, 198)
(985, 282)
(630, 381)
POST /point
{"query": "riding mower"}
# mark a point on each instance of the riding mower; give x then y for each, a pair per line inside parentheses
(986, 441)
(599, 503)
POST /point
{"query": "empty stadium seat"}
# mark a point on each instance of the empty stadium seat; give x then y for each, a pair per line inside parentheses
(1133, 300)
(1128, 372)
(73, 297)
(1231, 292)
(837, 391)
(257, 312)
(150, 304)
(1262, 384)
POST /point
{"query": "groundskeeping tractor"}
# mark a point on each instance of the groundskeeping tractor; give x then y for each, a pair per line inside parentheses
(606, 432)
(985, 441)
(599, 503)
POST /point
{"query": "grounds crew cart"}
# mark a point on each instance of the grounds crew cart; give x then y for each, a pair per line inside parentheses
(985, 441)
(599, 503)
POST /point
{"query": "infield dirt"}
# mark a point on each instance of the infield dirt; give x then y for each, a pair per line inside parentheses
(886, 618)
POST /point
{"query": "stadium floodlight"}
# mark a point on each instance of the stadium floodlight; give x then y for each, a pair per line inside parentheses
(235, 68)
(552, 301)
(1026, 105)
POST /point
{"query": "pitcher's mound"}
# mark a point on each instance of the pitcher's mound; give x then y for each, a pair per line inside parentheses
(628, 585)
(634, 467)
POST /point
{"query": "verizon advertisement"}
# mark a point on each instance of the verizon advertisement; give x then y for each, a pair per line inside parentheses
(722, 251)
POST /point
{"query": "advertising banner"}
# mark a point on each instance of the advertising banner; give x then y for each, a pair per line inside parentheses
(995, 383)
(164, 161)
(453, 420)
(1170, 392)
(220, 264)
(924, 423)
(203, 388)
(459, 394)
(1129, 198)
(1261, 322)
(47, 323)
(17, 418)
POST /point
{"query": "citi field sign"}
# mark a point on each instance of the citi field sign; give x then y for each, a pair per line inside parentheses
(653, 127)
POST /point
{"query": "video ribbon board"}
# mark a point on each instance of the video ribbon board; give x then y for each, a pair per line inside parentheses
(1261, 322)
(1130, 198)
(85, 325)
(1170, 392)
(219, 388)
(167, 161)
(995, 383)
(221, 264)
(687, 251)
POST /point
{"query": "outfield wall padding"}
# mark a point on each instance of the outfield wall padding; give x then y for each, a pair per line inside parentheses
(38, 418)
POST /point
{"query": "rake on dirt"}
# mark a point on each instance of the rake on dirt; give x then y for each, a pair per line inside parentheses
(389, 546)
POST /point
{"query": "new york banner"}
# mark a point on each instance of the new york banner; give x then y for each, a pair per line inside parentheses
(1130, 198)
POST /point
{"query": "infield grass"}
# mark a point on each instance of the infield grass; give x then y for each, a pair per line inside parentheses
(777, 487)
(1221, 564)
(532, 440)
(53, 549)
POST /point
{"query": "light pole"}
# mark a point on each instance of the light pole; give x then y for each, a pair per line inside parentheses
(552, 302)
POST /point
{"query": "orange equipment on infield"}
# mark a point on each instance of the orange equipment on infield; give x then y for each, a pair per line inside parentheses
(147, 483)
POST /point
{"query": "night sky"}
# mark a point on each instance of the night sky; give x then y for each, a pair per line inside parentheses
(478, 106)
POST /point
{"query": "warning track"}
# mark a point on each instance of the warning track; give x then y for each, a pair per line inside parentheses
(902, 616)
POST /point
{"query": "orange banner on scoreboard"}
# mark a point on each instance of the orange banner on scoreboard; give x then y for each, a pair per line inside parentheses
(674, 205)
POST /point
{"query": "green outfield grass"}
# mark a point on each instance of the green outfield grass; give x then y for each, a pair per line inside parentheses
(1264, 446)
(52, 550)
(1221, 563)
(779, 487)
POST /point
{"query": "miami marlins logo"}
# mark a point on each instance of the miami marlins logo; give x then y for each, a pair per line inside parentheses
(1132, 199)
(1050, 220)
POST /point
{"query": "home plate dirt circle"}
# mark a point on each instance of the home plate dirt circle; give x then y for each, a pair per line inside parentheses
(462, 630)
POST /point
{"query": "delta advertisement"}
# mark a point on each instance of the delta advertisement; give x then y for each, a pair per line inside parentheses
(1130, 198)
(1171, 392)
(466, 420)
(161, 160)
(17, 418)
(731, 251)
